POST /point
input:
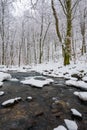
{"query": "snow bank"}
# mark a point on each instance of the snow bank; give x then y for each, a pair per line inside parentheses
(58, 70)
(37, 83)
(3, 68)
(78, 84)
(81, 95)
(4, 76)
(60, 128)
(71, 125)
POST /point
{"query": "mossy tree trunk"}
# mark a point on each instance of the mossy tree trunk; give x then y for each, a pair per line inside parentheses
(67, 49)
(83, 46)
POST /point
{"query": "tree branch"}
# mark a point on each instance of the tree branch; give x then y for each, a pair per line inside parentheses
(56, 21)
(45, 34)
(63, 7)
(75, 4)
(34, 4)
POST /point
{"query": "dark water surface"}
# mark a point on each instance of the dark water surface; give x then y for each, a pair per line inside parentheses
(41, 113)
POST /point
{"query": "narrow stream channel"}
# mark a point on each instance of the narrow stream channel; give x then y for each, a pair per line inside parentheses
(41, 113)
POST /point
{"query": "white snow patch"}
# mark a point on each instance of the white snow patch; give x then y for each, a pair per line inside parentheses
(84, 78)
(36, 77)
(1, 83)
(29, 98)
(76, 113)
(75, 79)
(1, 93)
(11, 101)
(13, 79)
(81, 95)
(4, 76)
(78, 84)
(71, 125)
(76, 93)
(60, 128)
(3, 68)
(37, 83)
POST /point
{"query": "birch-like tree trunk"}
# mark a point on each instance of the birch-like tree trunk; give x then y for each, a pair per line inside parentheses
(3, 31)
(83, 29)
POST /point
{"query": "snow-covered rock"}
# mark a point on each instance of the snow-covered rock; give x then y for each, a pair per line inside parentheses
(1, 84)
(71, 125)
(60, 128)
(37, 83)
(68, 77)
(76, 113)
(11, 101)
(78, 84)
(81, 95)
(76, 93)
(4, 76)
(13, 79)
(29, 98)
(1, 93)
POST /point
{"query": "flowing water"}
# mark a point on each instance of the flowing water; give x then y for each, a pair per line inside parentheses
(41, 113)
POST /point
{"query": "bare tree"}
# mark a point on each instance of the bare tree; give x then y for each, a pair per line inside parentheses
(3, 29)
(83, 16)
(4, 5)
(68, 9)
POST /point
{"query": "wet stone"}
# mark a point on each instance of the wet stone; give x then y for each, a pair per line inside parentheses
(22, 124)
(46, 71)
(11, 102)
(78, 76)
(36, 109)
(60, 105)
(38, 113)
(4, 111)
(59, 114)
(55, 110)
(29, 99)
(76, 117)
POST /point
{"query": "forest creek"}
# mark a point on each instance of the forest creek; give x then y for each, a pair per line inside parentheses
(41, 113)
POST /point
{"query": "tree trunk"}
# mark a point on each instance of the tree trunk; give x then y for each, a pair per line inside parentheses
(3, 33)
(83, 30)
(12, 53)
(40, 42)
(67, 50)
(83, 46)
(19, 56)
(66, 58)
